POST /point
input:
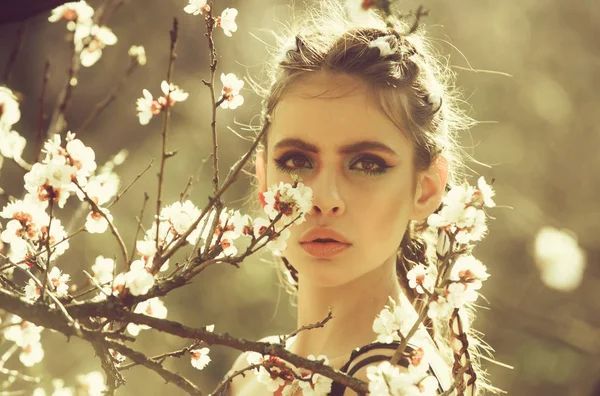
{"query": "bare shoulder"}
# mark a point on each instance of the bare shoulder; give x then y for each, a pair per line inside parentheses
(239, 382)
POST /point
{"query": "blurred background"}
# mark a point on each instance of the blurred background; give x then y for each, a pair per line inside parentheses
(538, 130)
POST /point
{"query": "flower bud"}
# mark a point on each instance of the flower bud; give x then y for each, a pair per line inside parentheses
(443, 243)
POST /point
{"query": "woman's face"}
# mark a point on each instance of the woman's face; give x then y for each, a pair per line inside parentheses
(329, 131)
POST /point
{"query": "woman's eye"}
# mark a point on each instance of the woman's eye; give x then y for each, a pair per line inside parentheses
(289, 163)
(372, 166)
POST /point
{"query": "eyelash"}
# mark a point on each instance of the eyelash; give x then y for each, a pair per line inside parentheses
(280, 164)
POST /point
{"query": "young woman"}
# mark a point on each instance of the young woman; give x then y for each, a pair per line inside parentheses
(366, 117)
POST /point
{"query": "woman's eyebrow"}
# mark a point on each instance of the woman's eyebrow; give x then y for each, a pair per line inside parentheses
(356, 147)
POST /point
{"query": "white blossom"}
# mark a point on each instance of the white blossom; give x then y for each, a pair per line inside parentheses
(469, 271)
(9, 109)
(559, 258)
(75, 12)
(458, 294)
(146, 107)
(387, 380)
(262, 375)
(227, 21)
(383, 44)
(103, 269)
(276, 245)
(81, 157)
(93, 383)
(24, 333)
(180, 215)
(421, 278)
(289, 201)
(153, 307)
(139, 53)
(485, 193)
(32, 291)
(96, 223)
(393, 320)
(196, 7)
(101, 188)
(31, 354)
(319, 384)
(51, 180)
(59, 281)
(11, 143)
(60, 389)
(231, 91)
(440, 308)
(200, 358)
(138, 280)
(90, 40)
(175, 93)
(58, 234)
(462, 212)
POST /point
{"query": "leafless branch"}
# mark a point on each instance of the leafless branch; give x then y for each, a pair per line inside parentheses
(15, 51)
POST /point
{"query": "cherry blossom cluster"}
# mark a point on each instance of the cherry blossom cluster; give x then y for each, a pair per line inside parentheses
(283, 377)
(89, 38)
(26, 336)
(226, 21)
(460, 221)
(63, 171)
(462, 213)
(386, 379)
(147, 106)
(232, 99)
(57, 281)
(393, 323)
(11, 143)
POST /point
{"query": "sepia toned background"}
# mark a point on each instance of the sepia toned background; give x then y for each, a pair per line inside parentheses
(538, 131)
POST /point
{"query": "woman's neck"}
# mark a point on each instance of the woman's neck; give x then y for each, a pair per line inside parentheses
(354, 305)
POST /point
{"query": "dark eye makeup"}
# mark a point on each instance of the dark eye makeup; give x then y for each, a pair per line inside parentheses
(281, 163)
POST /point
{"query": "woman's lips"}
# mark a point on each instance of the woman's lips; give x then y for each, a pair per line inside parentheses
(324, 249)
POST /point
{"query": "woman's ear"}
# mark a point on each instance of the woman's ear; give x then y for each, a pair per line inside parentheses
(430, 188)
(261, 170)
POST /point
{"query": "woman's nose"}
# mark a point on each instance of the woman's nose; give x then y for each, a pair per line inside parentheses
(327, 199)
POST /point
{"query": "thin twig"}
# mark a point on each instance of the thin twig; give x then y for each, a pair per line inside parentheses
(120, 194)
(161, 358)
(100, 106)
(112, 227)
(229, 378)
(167, 375)
(46, 270)
(210, 23)
(283, 339)
(231, 177)
(163, 157)
(39, 138)
(15, 51)
(137, 232)
(183, 194)
(58, 115)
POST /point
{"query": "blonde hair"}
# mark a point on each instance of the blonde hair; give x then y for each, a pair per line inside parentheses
(414, 88)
